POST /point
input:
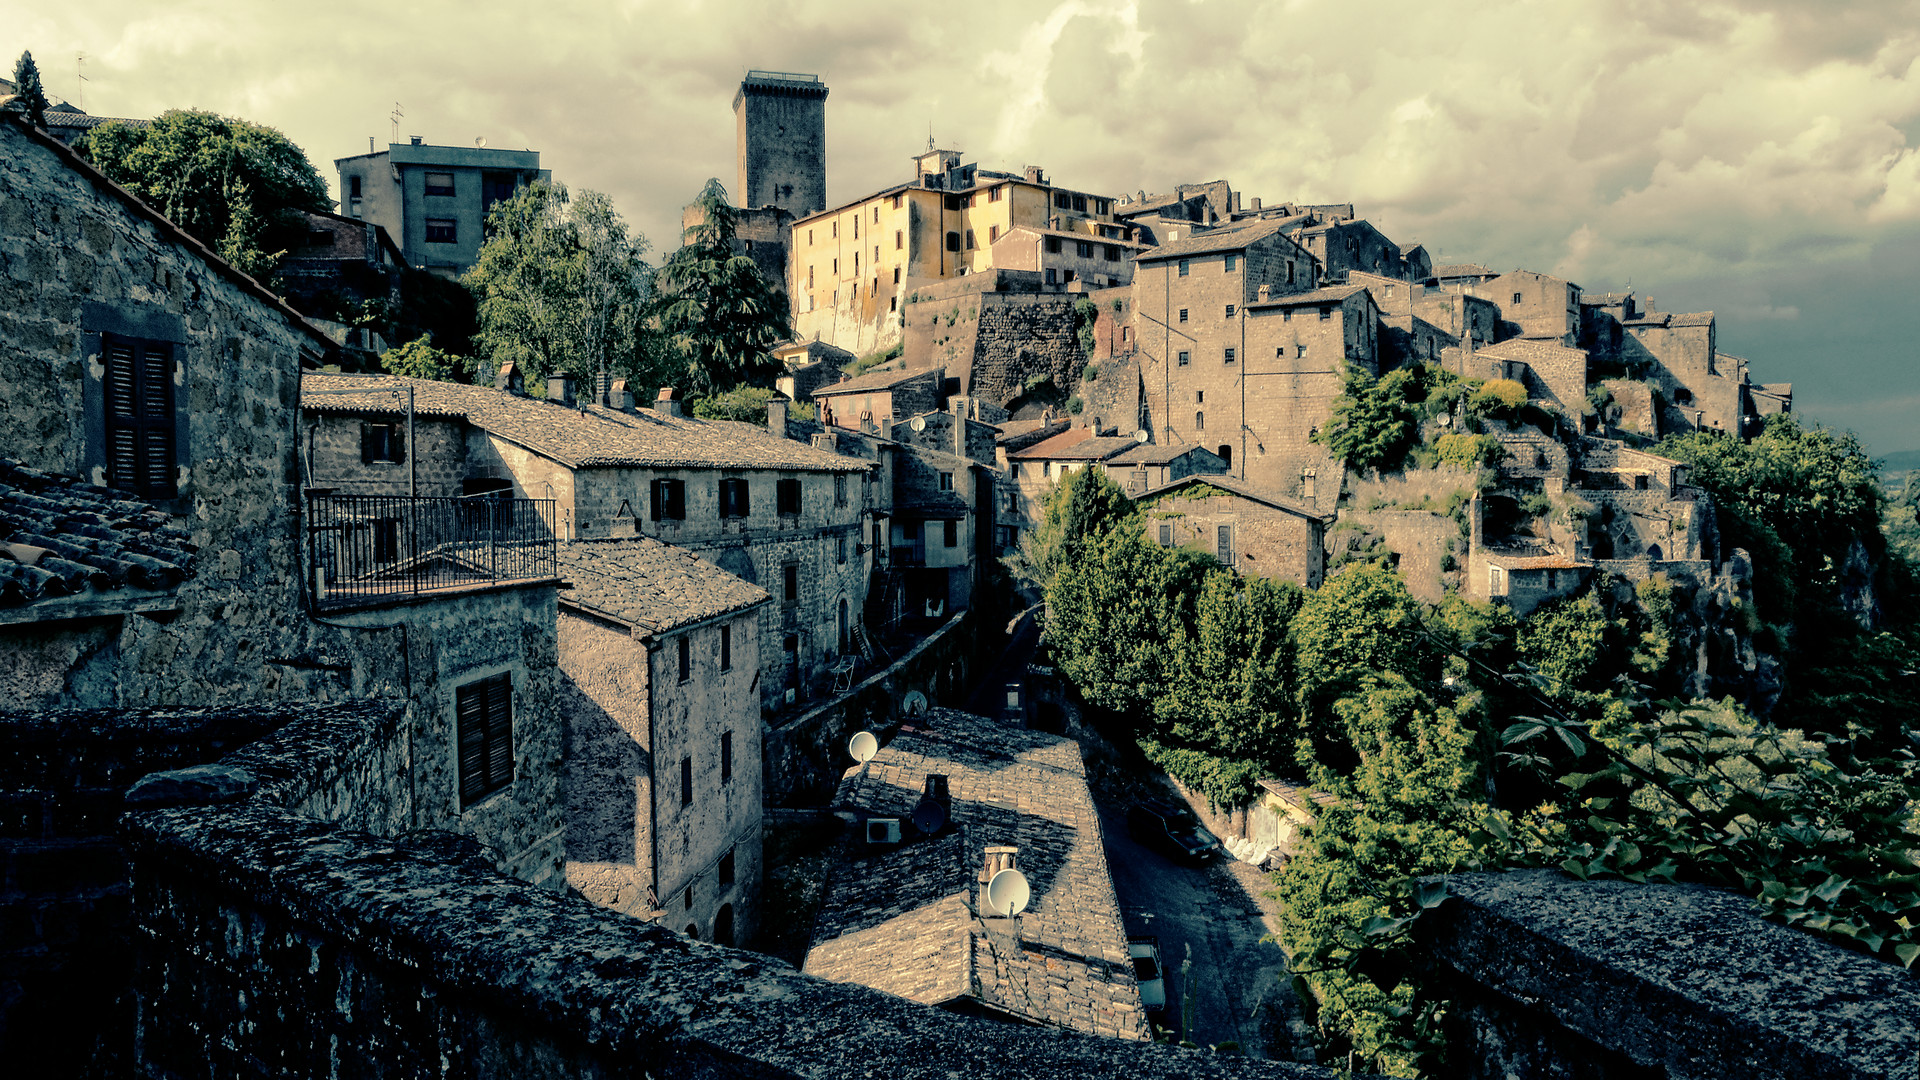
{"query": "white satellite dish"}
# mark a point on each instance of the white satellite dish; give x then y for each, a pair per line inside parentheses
(918, 423)
(1141, 435)
(863, 746)
(914, 704)
(1008, 893)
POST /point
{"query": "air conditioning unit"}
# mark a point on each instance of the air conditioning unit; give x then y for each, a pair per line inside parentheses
(883, 830)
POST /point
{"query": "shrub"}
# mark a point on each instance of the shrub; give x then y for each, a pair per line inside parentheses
(1499, 398)
(1074, 404)
(1467, 451)
(1091, 373)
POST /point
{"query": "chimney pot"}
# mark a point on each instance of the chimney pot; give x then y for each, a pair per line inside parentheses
(560, 388)
(620, 395)
(777, 416)
(667, 402)
(1266, 293)
(998, 859)
(415, 138)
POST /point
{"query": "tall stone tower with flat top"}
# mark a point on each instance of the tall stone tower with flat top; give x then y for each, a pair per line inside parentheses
(782, 142)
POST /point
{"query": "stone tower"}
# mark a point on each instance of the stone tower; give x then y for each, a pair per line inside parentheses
(781, 120)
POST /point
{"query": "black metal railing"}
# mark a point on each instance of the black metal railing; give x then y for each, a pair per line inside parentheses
(363, 549)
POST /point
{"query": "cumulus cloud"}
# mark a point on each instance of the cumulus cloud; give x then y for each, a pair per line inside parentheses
(1658, 142)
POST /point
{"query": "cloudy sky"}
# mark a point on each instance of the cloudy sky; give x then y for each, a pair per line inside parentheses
(1754, 158)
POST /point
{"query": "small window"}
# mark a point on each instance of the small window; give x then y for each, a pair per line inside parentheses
(1199, 421)
(1053, 245)
(1230, 356)
(899, 239)
(1233, 263)
(970, 244)
(1224, 543)
(1062, 201)
(1517, 298)
(1083, 249)
(840, 489)
(483, 715)
(993, 234)
(1184, 267)
(725, 871)
(790, 583)
(953, 241)
(686, 799)
(946, 481)
(353, 187)
(809, 277)
(1110, 252)
(876, 213)
(833, 230)
(787, 497)
(439, 183)
(1166, 534)
(953, 202)
(994, 195)
(840, 549)
(726, 757)
(1052, 276)
(1226, 454)
(382, 443)
(1230, 310)
(442, 231)
(1199, 397)
(952, 533)
(1326, 313)
(1183, 314)
(896, 202)
(669, 500)
(1080, 204)
(685, 657)
(1301, 349)
(733, 497)
(726, 648)
(896, 275)
(1185, 357)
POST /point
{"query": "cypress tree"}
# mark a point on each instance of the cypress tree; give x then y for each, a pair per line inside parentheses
(26, 83)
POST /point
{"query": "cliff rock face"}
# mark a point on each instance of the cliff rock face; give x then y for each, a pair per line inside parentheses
(1729, 663)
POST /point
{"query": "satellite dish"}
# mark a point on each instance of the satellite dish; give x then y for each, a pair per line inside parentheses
(918, 423)
(1008, 893)
(480, 140)
(914, 704)
(863, 746)
(1141, 435)
(930, 816)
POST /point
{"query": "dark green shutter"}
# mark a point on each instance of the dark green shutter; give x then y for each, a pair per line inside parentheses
(139, 420)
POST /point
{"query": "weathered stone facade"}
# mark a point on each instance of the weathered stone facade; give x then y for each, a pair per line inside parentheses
(1249, 531)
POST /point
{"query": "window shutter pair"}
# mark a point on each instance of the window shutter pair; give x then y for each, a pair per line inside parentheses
(141, 455)
(484, 714)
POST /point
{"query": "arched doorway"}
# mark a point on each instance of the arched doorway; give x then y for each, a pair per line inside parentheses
(1226, 454)
(723, 926)
(693, 931)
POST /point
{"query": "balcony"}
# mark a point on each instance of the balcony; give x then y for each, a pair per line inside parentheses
(374, 549)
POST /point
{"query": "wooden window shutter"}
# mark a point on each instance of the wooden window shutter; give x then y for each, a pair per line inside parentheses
(659, 498)
(484, 715)
(500, 731)
(139, 420)
(366, 444)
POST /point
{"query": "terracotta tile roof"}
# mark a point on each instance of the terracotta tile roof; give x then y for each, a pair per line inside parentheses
(1236, 486)
(579, 437)
(1068, 446)
(1015, 434)
(1455, 270)
(1332, 294)
(1048, 446)
(63, 537)
(1153, 453)
(899, 920)
(1226, 239)
(875, 380)
(650, 585)
(1529, 348)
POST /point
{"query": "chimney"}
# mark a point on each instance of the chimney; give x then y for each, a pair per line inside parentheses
(667, 402)
(602, 388)
(1265, 293)
(998, 859)
(777, 416)
(560, 388)
(415, 138)
(511, 380)
(1035, 175)
(1256, 205)
(620, 396)
(826, 441)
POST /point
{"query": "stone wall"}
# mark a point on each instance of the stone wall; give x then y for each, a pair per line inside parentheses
(435, 459)
(1265, 541)
(1609, 980)
(1021, 338)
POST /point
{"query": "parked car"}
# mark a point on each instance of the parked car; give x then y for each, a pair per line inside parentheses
(1172, 829)
(1145, 952)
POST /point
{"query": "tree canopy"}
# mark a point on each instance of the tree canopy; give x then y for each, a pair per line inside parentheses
(720, 318)
(562, 287)
(1085, 506)
(235, 185)
(26, 84)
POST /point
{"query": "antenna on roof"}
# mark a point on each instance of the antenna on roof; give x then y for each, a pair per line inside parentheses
(395, 116)
(80, 69)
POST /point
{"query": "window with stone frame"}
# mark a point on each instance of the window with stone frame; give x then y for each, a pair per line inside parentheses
(443, 231)
(669, 499)
(1233, 263)
(1199, 421)
(1052, 245)
(141, 448)
(1166, 534)
(946, 481)
(1183, 314)
(483, 722)
(383, 444)
(839, 489)
(790, 584)
(1185, 358)
(1229, 356)
(1223, 549)
(787, 497)
(1184, 267)
(734, 502)
(953, 241)
(1230, 311)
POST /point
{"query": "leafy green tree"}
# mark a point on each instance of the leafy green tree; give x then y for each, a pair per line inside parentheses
(1231, 688)
(236, 186)
(418, 359)
(1374, 423)
(1361, 622)
(719, 316)
(1410, 806)
(1572, 645)
(1110, 608)
(26, 84)
(748, 405)
(1085, 505)
(562, 287)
